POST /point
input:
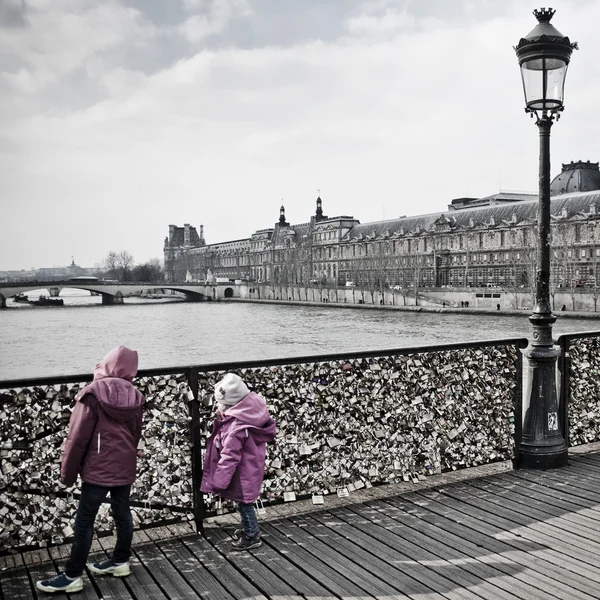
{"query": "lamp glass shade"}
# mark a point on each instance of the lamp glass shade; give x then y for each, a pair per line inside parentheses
(544, 82)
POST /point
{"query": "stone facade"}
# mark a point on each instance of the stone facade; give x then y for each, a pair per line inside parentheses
(477, 242)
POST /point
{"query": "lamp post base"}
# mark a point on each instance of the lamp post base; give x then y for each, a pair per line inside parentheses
(542, 443)
(542, 456)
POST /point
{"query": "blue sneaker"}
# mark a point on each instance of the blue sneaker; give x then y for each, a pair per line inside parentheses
(109, 567)
(60, 583)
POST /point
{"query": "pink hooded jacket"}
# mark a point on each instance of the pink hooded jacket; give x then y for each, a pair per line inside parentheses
(234, 463)
(106, 425)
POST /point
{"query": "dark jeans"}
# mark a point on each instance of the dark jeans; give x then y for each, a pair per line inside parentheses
(249, 520)
(92, 497)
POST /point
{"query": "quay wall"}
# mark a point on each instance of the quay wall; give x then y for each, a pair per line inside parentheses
(484, 298)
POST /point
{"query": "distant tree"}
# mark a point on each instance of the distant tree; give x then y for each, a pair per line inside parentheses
(119, 265)
(149, 272)
(112, 264)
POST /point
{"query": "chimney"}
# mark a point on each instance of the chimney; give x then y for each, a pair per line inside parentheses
(171, 232)
(186, 234)
(202, 235)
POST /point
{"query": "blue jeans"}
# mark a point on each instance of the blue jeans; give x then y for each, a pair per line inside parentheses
(249, 520)
(92, 497)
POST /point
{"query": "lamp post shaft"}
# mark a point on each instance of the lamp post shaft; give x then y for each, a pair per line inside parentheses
(542, 443)
(542, 289)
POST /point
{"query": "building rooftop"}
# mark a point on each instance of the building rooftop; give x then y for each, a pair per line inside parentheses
(576, 177)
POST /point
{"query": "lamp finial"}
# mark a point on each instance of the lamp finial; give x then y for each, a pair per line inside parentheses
(543, 15)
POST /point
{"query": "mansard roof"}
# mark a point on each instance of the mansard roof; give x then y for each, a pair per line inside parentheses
(179, 237)
(299, 230)
(468, 219)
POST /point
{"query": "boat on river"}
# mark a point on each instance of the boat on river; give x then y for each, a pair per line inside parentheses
(21, 298)
(45, 301)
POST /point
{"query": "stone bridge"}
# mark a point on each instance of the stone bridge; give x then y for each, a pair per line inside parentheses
(114, 293)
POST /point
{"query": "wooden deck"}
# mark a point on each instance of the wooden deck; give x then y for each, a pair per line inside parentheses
(519, 534)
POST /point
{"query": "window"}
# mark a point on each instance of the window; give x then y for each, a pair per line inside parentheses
(481, 240)
(582, 253)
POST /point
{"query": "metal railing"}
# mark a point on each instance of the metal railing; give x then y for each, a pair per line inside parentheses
(345, 421)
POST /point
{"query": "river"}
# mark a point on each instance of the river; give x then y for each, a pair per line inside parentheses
(38, 342)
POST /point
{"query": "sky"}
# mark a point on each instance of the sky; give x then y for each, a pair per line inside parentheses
(120, 117)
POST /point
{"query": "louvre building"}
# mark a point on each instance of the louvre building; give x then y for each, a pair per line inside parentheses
(488, 241)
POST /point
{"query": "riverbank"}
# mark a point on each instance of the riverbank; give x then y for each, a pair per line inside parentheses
(419, 309)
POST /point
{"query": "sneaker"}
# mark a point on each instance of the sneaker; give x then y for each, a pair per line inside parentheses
(60, 583)
(109, 567)
(246, 543)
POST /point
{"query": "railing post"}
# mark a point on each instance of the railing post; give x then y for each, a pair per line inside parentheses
(564, 367)
(195, 436)
(518, 404)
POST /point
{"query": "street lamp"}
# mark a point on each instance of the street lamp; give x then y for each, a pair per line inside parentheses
(543, 56)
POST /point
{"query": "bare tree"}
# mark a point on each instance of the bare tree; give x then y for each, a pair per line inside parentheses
(112, 263)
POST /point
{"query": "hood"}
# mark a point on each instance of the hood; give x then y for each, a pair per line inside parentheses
(120, 362)
(252, 410)
(112, 385)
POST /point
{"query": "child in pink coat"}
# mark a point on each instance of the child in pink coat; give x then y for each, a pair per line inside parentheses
(234, 463)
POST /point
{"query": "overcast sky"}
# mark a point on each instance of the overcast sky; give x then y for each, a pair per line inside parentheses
(120, 117)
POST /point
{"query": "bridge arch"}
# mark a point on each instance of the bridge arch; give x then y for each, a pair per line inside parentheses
(228, 293)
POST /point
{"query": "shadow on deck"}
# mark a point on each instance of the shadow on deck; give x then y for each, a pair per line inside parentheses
(531, 535)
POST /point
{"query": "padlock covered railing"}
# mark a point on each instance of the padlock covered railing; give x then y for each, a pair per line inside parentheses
(344, 422)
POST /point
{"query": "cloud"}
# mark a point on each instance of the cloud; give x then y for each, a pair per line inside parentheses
(12, 13)
(392, 109)
(211, 17)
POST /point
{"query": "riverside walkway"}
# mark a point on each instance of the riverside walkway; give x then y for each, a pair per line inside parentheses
(485, 533)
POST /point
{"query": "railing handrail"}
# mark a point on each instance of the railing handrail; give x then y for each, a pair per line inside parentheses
(520, 342)
(566, 337)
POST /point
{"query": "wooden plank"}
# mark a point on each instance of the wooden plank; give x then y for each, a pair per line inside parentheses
(533, 522)
(325, 573)
(140, 584)
(168, 579)
(537, 572)
(554, 546)
(250, 565)
(561, 497)
(15, 581)
(533, 556)
(400, 554)
(204, 583)
(235, 582)
(349, 569)
(543, 512)
(472, 574)
(357, 546)
(583, 521)
(414, 554)
(278, 565)
(568, 481)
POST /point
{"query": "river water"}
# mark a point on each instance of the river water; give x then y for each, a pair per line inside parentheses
(38, 342)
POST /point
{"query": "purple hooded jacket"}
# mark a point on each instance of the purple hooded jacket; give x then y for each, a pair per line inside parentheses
(234, 463)
(106, 425)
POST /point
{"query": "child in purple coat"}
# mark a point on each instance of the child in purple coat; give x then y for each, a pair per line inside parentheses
(101, 447)
(234, 463)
